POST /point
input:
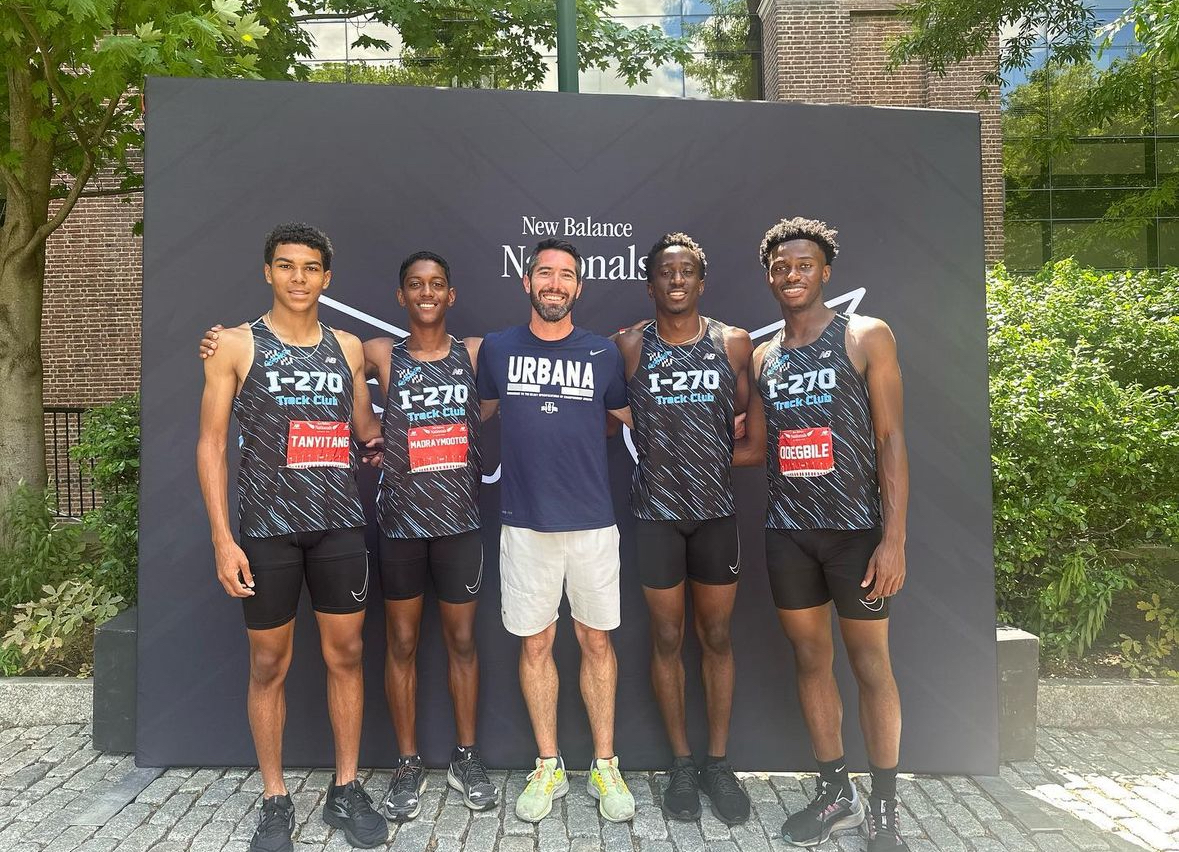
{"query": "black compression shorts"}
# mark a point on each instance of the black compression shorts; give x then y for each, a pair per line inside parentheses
(705, 551)
(334, 563)
(452, 563)
(810, 567)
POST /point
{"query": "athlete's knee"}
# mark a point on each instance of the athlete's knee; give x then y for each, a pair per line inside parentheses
(268, 666)
(813, 657)
(715, 637)
(401, 643)
(871, 667)
(667, 637)
(594, 643)
(460, 643)
(537, 648)
(343, 652)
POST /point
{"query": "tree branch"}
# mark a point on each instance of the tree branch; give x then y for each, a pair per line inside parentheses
(67, 204)
(99, 193)
(50, 66)
(334, 16)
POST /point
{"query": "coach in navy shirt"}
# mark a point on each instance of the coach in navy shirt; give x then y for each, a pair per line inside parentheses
(553, 384)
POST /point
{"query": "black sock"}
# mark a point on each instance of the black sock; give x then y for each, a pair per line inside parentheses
(409, 758)
(835, 772)
(711, 759)
(884, 782)
(464, 752)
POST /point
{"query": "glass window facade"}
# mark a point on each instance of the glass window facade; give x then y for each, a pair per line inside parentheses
(724, 38)
(1058, 195)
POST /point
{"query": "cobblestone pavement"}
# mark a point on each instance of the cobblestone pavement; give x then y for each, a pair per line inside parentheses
(1087, 790)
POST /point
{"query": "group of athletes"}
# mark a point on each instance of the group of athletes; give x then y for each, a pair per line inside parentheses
(820, 405)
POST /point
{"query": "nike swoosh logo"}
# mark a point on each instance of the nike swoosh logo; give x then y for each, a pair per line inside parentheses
(479, 579)
(879, 604)
(736, 568)
(597, 351)
(364, 590)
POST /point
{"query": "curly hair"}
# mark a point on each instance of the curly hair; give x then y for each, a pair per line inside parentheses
(799, 228)
(676, 239)
(299, 234)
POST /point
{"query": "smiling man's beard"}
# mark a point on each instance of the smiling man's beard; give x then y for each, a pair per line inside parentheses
(550, 312)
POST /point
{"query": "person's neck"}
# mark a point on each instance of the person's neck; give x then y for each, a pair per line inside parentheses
(679, 329)
(546, 330)
(806, 324)
(296, 328)
(428, 339)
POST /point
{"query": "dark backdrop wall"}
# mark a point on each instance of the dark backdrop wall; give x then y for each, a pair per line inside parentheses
(479, 177)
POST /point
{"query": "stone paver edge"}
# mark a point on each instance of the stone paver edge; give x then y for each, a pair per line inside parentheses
(1061, 702)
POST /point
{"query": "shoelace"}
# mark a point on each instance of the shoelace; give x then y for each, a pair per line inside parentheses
(403, 778)
(537, 775)
(825, 798)
(722, 779)
(681, 780)
(475, 770)
(612, 778)
(888, 819)
(274, 814)
(356, 800)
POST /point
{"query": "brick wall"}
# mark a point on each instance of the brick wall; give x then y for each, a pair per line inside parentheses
(834, 51)
(91, 321)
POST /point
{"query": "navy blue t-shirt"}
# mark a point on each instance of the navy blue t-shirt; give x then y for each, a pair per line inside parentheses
(553, 398)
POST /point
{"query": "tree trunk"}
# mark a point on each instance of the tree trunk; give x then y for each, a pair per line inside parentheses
(22, 275)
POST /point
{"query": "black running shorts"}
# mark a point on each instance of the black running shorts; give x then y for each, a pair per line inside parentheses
(334, 563)
(452, 563)
(810, 567)
(705, 551)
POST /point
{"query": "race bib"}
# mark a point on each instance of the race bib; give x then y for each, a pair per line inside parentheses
(805, 452)
(318, 443)
(437, 447)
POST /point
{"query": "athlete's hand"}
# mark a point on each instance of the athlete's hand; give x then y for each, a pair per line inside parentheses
(739, 426)
(233, 570)
(208, 344)
(374, 452)
(886, 570)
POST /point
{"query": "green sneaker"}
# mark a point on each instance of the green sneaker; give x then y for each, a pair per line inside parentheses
(545, 783)
(615, 803)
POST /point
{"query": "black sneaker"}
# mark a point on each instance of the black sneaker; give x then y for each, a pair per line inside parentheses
(403, 799)
(884, 831)
(350, 809)
(276, 821)
(728, 800)
(468, 775)
(681, 797)
(830, 810)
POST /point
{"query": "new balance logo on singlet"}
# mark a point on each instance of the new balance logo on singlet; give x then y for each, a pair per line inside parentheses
(683, 404)
(819, 436)
(297, 464)
(430, 478)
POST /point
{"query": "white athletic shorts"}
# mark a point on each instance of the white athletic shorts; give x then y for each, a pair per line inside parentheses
(536, 567)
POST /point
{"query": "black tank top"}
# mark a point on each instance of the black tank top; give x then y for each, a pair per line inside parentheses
(821, 447)
(297, 460)
(681, 398)
(430, 481)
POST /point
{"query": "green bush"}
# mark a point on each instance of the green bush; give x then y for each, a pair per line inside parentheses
(39, 548)
(1084, 442)
(45, 631)
(110, 438)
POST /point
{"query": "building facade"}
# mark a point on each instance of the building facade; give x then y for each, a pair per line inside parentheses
(822, 51)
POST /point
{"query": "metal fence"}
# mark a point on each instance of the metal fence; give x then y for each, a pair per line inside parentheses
(72, 481)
